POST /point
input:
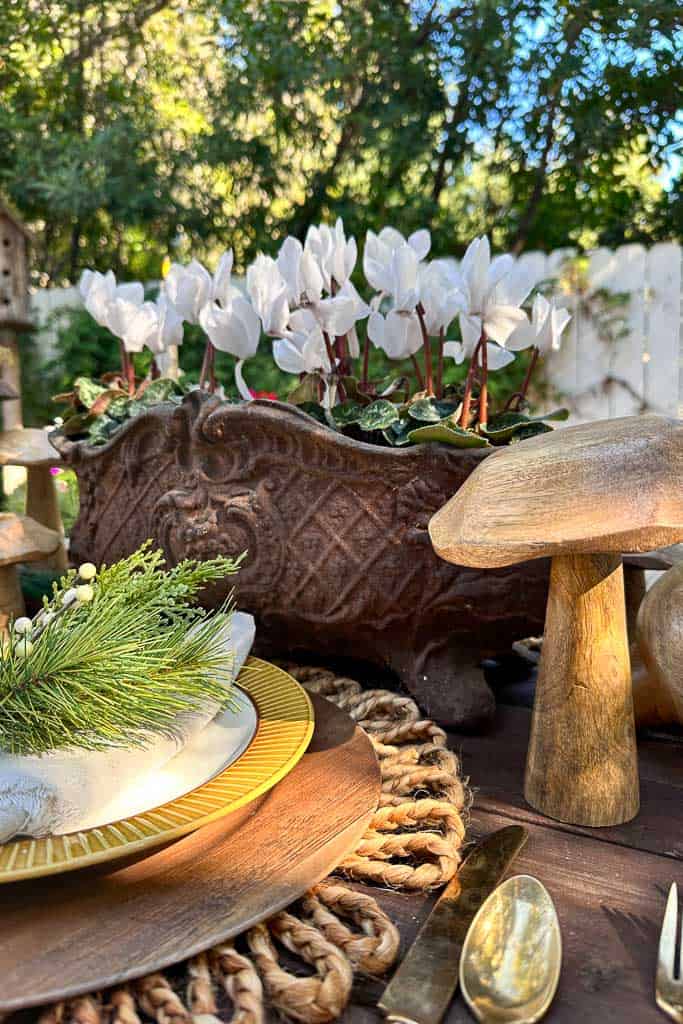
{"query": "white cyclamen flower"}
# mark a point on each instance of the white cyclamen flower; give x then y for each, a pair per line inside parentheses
(379, 250)
(167, 327)
(494, 290)
(335, 255)
(100, 291)
(300, 271)
(268, 292)
(236, 329)
(359, 309)
(303, 350)
(189, 289)
(544, 331)
(222, 288)
(441, 296)
(153, 325)
(398, 333)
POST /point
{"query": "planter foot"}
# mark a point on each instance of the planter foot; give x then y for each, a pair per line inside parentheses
(448, 684)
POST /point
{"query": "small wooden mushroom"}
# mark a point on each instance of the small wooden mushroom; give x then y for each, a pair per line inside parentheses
(658, 679)
(30, 447)
(581, 495)
(21, 540)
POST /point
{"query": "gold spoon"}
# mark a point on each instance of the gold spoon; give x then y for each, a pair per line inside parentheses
(511, 959)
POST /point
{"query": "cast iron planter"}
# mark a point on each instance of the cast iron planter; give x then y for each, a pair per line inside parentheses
(339, 560)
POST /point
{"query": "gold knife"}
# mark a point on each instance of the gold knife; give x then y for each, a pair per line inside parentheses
(424, 984)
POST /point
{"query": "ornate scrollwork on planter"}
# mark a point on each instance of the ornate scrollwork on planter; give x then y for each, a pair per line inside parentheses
(339, 559)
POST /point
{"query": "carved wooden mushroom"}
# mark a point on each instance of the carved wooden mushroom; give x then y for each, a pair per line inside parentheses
(21, 540)
(581, 495)
(658, 679)
(30, 447)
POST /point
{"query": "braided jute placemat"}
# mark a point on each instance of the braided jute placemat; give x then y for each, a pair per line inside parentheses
(413, 844)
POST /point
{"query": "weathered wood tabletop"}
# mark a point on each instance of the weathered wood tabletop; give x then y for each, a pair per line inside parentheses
(609, 885)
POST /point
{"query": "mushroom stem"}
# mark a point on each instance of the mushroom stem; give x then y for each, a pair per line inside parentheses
(582, 762)
(42, 505)
(11, 598)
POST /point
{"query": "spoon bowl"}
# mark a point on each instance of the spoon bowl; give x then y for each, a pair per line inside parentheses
(511, 959)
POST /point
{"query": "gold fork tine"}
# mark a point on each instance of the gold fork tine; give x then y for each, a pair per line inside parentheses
(667, 938)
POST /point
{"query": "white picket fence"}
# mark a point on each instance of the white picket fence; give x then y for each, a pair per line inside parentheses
(596, 378)
(641, 371)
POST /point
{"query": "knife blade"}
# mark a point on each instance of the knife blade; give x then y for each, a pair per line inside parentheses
(424, 984)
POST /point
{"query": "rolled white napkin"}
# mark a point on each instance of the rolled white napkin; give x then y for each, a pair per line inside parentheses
(67, 791)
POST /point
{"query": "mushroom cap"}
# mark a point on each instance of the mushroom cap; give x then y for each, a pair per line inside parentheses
(24, 540)
(27, 446)
(610, 486)
(659, 560)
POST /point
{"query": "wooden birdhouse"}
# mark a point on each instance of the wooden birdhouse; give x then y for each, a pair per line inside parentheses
(14, 238)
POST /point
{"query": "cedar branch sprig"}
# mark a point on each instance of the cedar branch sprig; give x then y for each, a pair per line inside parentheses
(120, 665)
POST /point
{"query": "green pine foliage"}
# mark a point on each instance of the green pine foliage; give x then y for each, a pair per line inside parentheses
(121, 667)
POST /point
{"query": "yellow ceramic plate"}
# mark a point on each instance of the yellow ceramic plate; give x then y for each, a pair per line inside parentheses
(285, 726)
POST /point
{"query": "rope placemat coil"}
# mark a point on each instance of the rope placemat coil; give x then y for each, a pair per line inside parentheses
(412, 843)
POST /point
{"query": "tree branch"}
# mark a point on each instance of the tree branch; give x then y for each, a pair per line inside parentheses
(130, 23)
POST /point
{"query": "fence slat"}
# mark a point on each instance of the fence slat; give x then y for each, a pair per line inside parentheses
(626, 365)
(592, 367)
(561, 367)
(664, 324)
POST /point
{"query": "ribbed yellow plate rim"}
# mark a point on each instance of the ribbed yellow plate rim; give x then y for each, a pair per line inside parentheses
(284, 730)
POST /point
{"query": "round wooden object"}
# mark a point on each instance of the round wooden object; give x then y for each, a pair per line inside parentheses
(582, 763)
(89, 930)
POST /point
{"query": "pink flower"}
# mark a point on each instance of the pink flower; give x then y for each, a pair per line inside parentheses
(270, 395)
(55, 470)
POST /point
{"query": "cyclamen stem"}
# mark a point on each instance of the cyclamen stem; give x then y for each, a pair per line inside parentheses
(342, 353)
(484, 390)
(207, 367)
(127, 368)
(521, 395)
(418, 373)
(429, 382)
(439, 365)
(330, 351)
(366, 362)
(467, 397)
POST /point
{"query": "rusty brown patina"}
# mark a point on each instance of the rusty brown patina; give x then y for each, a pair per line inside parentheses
(339, 560)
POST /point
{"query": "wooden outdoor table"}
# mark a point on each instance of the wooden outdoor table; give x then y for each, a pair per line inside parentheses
(609, 885)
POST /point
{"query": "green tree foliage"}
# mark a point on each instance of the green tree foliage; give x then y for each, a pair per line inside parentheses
(136, 129)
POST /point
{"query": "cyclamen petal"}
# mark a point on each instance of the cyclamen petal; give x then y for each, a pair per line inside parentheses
(222, 286)
(454, 350)
(404, 272)
(500, 322)
(289, 265)
(470, 331)
(497, 357)
(189, 289)
(132, 292)
(336, 315)
(235, 330)
(421, 242)
(311, 277)
(287, 355)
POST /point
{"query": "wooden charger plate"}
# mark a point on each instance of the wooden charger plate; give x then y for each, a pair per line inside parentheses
(77, 932)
